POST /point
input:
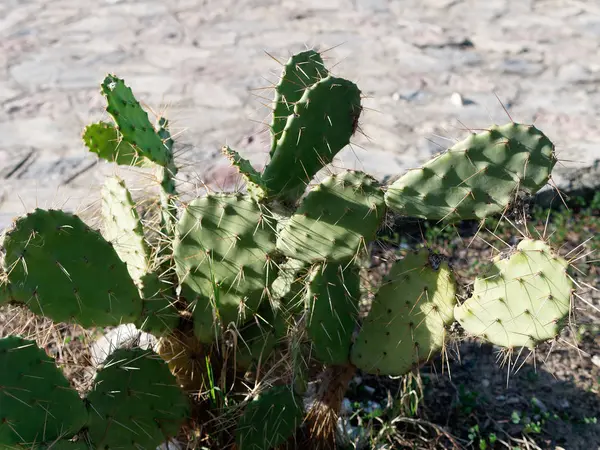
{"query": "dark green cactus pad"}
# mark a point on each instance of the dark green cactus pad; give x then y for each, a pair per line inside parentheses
(159, 314)
(477, 177)
(37, 404)
(62, 269)
(521, 301)
(133, 122)
(5, 294)
(254, 183)
(406, 324)
(336, 219)
(333, 296)
(122, 227)
(67, 445)
(135, 402)
(223, 252)
(300, 72)
(104, 140)
(323, 122)
(270, 419)
(257, 338)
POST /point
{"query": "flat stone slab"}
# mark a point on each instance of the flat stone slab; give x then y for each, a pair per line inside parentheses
(430, 70)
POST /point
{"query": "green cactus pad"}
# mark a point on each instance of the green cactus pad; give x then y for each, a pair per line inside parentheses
(5, 294)
(37, 403)
(133, 122)
(336, 219)
(62, 269)
(522, 301)
(254, 183)
(104, 140)
(477, 177)
(406, 324)
(223, 253)
(67, 445)
(323, 122)
(122, 227)
(270, 419)
(333, 295)
(258, 337)
(159, 314)
(135, 402)
(300, 72)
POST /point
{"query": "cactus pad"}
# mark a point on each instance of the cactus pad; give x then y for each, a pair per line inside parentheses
(335, 220)
(135, 402)
(258, 337)
(104, 140)
(223, 253)
(133, 122)
(37, 403)
(270, 419)
(323, 122)
(122, 227)
(333, 295)
(477, 177)
(522, 301)
(254, 183)
(406, 324)
(159, 315)
(64, 270)
(300, 72)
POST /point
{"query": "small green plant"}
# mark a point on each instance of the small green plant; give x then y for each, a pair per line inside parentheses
(268, 279)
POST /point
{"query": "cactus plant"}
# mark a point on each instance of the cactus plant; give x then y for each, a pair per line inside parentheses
(241, 276)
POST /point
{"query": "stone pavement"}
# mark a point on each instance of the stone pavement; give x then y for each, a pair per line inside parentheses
(426, 66)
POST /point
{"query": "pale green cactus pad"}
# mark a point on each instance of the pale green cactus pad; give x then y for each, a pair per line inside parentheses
(521, 301)
(406, 324)
(122, 227)
(254, 183)
(135, 402)
(133, 122)
(223, 252)
(477, 177)
(37, 403)
(62, 269)
(336, 220)
(103, 139)
(332, 298)
(270, 419)
(300, 72)
(323, 122)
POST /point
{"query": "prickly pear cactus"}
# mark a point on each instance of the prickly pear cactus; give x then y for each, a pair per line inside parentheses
(322, 124)
(103, 139)
(270, 419)
(122, 227)
(36, 401)
(62, 269)
(335, 221)
(521, 301)
(223, 253)
(407, 322)
(135, 402)
(333, 295)
(159, 314)
(300, 72)
(478, 177)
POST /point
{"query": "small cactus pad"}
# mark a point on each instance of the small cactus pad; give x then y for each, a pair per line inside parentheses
(270, 419)
(406, 324)
(335, 220)
(223, 252)
(323, 122)
(159, 315)
(133, 122)
(477, 177)
(37, 403)
(64, 444)
(122, 227)
(62, 269)
(333, 295)
(254, 183)
(135, 402)
(300, 72)
(523, 300)
(103, 139)
(258, 337)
